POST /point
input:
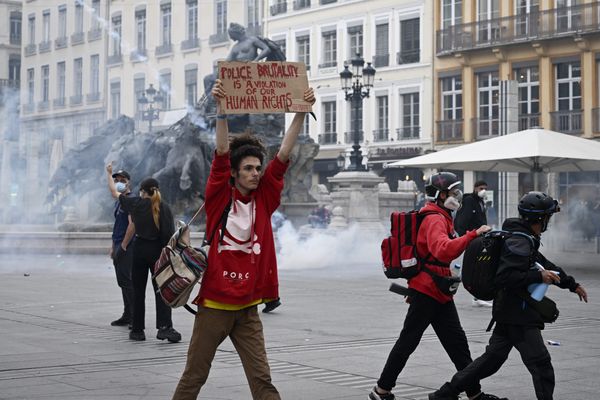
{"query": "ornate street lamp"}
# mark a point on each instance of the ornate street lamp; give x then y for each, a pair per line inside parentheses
(356, 90)
(341, 161)
(150, 103)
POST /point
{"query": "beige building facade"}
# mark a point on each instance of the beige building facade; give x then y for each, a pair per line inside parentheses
(396, 37)
(551, 48)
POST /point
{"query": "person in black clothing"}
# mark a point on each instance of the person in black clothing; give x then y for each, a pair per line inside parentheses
(154, 226)
(472, 213)
(123, 231)
(518, 323)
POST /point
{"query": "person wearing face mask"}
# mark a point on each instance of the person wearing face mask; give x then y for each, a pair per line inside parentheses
(518, 322)
(154, 226)
(123, 231)
(430, 302)
(471, 216)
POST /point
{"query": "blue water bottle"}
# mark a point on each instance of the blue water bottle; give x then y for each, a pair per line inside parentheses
(538, 290)
(456, 270)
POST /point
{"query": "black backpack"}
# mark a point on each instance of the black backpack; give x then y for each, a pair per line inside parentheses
(480, 263)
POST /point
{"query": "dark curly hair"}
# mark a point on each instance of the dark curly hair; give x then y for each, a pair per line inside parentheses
(243, 146)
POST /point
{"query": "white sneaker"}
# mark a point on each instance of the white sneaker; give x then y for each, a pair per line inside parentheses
(481, 303)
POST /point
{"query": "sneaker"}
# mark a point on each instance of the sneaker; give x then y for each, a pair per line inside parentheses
(137, 335)
(487, 396)
(481, 303)
(168, 333)
(374, 395)
(271, 305)
(123, 321)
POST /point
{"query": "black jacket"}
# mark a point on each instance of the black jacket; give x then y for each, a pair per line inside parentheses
(471, 215)
(515, 273)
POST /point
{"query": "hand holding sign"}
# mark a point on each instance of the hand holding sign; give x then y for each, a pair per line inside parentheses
(266, 87)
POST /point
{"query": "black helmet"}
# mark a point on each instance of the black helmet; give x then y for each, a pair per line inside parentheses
(440, 182)
(534, 206)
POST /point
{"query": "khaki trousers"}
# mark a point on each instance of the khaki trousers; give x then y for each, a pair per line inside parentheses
(211, 328)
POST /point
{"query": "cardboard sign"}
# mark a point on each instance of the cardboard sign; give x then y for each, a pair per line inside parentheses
(263, 87)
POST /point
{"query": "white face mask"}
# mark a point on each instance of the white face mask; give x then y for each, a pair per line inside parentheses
(121, 187)
(481, 194)
(452, 203)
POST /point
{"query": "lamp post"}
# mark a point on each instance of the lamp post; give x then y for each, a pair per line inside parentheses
(356, 85)
(147, 102)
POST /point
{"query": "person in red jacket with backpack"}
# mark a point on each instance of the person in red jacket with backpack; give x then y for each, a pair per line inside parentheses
(242, 268)
(431, 299)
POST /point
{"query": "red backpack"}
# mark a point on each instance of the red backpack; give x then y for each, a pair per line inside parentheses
(399, 250)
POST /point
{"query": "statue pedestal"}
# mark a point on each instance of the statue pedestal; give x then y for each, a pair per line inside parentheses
(357, 192)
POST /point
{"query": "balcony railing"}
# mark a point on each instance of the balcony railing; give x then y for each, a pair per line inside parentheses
(485, 128)
(328, 138)
(59, 103)
(279, 8)
(408, 132)
(548, 24)
(191, 43)
(218, 38)
(327, 1)
(114, 59)
(76, 100)
(28, 108)
(43, 105)
(44, 47)
(408, 56)
(349, 137)
(301, 4)
(381, 60)
(528, 121)
(165, 48)
(569, 121)
(93, 97)
(77, 38)
(9, 84)
(15, 39)
(138, 55)
(30, 49)
(61, 42)
(381, 135)
(449, 130)
(94, 34)
(328, 64)
(596, 120)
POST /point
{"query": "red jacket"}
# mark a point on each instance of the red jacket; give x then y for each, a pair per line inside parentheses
(241, 267)
(434, 239)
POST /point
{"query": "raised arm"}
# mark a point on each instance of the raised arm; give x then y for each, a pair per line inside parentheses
(222, 138)
(291, 135)
(111, 184)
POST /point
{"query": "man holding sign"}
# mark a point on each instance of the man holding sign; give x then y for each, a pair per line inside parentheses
(242, 272)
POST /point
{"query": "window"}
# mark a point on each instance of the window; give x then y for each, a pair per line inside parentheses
(95, 74)
(410, 116)
(329, 123)
(30, 86)
(96, 15)
(15, 27)
(329, 49)
(527, 17)
(140, 23)
(14, 68)
(165, 11)
(62, 21)
(355, 40)
(221, 21)
(303, 49)
(355, 124)
(305, 126)
(253, 13)
(78, 77)
(191, 86)
(61, 81)
(451, 13)
(78, 16)
(138, 92)
(115, 99)
(487, 104)
(45, 83)
(46, 26)
(450, 126)
(409, 41)
(528, 79)
(382, 49)
(192, 19)
(115, 38)
(488, 27)
(165, 89)
(568, 86)
(568, 17)
(31, 28)
(382, 132)
(282, 45)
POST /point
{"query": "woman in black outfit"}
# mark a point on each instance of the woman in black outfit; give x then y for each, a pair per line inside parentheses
(154, 226)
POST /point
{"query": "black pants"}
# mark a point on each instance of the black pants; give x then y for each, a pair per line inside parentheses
(145, 254)
(530, 344)
(422, 312)
(122, 261)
